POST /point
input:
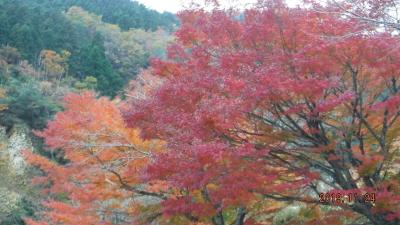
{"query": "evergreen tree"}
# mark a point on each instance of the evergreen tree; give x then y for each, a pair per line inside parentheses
(95, 63)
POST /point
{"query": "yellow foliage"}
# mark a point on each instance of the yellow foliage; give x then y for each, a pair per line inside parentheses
(54, 64)
(3, 95)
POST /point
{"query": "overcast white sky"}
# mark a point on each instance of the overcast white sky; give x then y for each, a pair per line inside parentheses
(163, 5)
(176, 5)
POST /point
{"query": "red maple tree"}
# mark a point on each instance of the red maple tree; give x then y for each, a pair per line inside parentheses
(271, 103)
(257, 110)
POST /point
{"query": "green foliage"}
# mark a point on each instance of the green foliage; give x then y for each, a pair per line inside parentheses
(24, 207)
(89, 83)
(26, 103)
(37, 25)
(30, 27)
(126, 14)
(128, 51)
(94, 62)
(43, 53)
(34, 25)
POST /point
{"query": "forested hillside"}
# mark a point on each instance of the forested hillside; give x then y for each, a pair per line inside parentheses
(51, 48)
(126, 14)
(34, 26)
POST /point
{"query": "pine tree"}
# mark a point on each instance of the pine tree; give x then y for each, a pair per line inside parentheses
(95, 63)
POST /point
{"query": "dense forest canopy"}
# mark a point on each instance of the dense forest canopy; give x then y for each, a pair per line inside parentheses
(91, 34)
(51, 48)
(126, 14)
(271, 115)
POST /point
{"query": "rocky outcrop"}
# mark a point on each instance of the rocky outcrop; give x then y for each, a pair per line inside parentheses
(18, 141)
(12, 167)
(9, 202)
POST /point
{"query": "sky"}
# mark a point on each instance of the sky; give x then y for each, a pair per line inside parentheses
(176, 5)
(163, 5)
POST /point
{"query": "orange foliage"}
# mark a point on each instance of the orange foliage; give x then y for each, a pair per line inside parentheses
(104, 158)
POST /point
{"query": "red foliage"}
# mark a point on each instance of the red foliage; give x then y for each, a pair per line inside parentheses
(246, 101)
(268, 104)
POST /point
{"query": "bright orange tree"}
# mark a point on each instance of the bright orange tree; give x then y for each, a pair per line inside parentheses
(98, 181)
(275, 104)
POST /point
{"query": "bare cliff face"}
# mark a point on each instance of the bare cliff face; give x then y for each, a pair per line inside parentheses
(15, 143)
(12, 168)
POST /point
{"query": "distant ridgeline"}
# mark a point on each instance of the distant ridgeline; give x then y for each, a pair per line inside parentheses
(125, 13)
(110, 40)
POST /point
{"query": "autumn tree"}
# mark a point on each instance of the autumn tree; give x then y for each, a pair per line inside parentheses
(95, 178)
(278, 104)
(128, 51)
(257, 109)
(53, 64)
(142, 86)
(3, 94)
(383, 13)
(8, 56)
